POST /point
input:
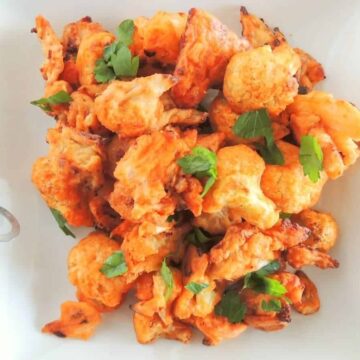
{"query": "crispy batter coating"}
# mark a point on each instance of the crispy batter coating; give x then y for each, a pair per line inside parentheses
(143, 176)
(76, 31)
(70, 175)
(84, 263)
(77, 320)
(206, 47)
(202, 304)
(90, 50)
(238, 187)
(262, 78)
(52, 49)
(259, 34)
(217, 328)
(299, 256)
(287, 186)
(213, 141)
(214, 223)
(132, 108)
(158, 38)
(324, 230)
(223, 119)
(334, 123)
(310, 301)
(189, 189)
(245, 248)
(70, 73)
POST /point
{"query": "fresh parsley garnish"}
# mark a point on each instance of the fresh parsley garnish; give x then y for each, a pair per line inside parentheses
(61, 222)
(114, 265)
(202, 164)
(284, 215)
(271, 305)
(168, 278)
(196, 288)
(257, 123)
(231, 306)
(270, 268)
(201, 240)
(61, 97)
(311, 157)
(117, 60)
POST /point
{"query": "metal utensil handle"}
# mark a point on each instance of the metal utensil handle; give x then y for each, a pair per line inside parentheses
(15, 226)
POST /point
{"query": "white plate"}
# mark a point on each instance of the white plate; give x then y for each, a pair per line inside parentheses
(33, 280)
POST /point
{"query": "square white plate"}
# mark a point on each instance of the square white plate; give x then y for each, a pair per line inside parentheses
(33, 281)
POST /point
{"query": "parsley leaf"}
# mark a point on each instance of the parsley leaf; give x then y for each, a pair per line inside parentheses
(61, 222)
(201, 163)
(231, 307)
(199, 239)
(196, 288)
(257, 123)
(270, 268)
(114, 265)
(168, 278)
(61, 97)
(117, 60)
(311, 157)
(265, 285)
(284, 215)
(271, 305)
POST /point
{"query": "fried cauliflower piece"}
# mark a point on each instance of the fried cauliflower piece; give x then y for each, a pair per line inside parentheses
(287, 186)
(324, 230)
(223, 118)
(245, 248)
(78, 320)
(334, 123)
(158, 39)
(238, 187)
(71, 173)
(206, 47)
(293, 284)
(262, 78)
(260, 319)
(259, 34)
(91, 49)
(153, 316)
(132, 108)
(52, 50)
(144, 178)
(217, 328)
(310, 301)
(76, 31)
(215, 223)
(299, 256)
(202, 304)
(84, 263)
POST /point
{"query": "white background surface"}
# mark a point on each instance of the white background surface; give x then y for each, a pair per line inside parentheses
(33, 279)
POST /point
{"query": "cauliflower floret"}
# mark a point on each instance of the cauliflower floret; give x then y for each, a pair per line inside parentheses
(245, 248)
(84, 263)
(262, 78)
(158, 39)
(206, 47)
(215, 223)
(334, 123)
(189, 304)
(238, 187)
(144, 178)
(223, 119)
(52, 50)
(78, 320)
(70, 175)
(287, 186)
(90, 50)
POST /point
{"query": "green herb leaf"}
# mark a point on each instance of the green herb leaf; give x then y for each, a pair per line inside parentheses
(265, 285)
(257, 123)
(284, 215)
(201, 163)
(271, 305)
(311, 157)
(126, 31)
(123, 63)
(61, 97)
(231, 307)
(196, 288)
(61, 221)
(114, 265)
(168, 278)
(270, 268)
(103, 72)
